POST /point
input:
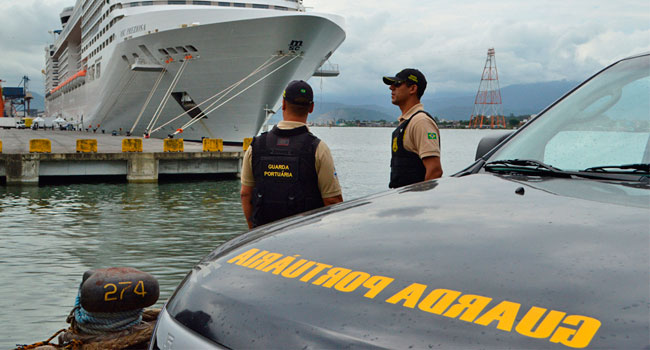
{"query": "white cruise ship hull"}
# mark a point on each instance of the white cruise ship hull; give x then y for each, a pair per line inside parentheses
(229, 44)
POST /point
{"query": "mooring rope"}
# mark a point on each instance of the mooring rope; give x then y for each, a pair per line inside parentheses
(194, 120)
(104, 322)
(146, 103)
(222, 94)
(162, 104)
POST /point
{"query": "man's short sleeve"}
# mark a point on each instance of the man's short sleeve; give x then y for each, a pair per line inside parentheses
(328, 182)
(247, 178)
(422, 136)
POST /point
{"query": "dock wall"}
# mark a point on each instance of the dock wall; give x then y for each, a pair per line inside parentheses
(27, 168)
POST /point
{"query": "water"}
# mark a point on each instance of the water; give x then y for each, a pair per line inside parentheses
(52, 234)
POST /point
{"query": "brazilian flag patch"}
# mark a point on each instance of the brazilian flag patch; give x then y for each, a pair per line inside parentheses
(432, 136)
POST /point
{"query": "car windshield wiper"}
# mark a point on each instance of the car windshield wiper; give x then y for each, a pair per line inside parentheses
(524, 166)
(639, 167)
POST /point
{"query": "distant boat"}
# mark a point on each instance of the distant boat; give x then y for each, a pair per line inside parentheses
(200, 68)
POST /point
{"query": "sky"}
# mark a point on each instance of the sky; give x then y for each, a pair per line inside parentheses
(535, 41)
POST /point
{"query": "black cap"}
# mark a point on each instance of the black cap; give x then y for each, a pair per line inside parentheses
(298, 92)
(409, 75)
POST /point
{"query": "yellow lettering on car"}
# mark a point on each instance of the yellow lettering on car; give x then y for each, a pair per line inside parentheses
(254, 258)
(505, 313)
(241, 258)
(297, 268)
(532, 318)
(469, 305)
(375, 285)
(573, 331)
(332, 277)
(411, 295)
(319, 267)
(576, 338)
(352, 281)
(438, 300)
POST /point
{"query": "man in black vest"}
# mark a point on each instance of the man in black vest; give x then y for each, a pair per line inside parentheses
(416, 140)
(288, 170)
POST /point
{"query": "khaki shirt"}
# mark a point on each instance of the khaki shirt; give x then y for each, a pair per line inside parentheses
(328, 182)
(422, 135)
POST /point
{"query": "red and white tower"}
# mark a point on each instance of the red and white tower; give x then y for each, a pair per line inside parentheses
(487, 104)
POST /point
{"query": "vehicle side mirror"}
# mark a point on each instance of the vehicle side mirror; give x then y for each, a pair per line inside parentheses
(488, 143)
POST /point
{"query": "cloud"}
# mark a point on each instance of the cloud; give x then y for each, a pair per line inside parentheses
(24, 35)
(448, 41)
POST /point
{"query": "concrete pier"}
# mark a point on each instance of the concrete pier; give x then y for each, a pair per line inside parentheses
(20, 166)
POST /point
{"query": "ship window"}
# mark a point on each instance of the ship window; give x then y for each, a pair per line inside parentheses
(281, 8)
(181, 49)
(258, 6)
(163, 51)
(224, 4)
(176, 2)
(191, 48)
(147, 3)
(239, 4)
(135, 55)
(171, 50)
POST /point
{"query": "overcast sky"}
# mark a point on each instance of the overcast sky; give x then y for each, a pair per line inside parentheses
(447, 40)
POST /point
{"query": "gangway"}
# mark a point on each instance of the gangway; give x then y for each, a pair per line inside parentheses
(327, 70)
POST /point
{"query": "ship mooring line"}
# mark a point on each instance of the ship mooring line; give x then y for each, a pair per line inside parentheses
(155, 86)
(269, 62)
(162, 104)
(244, 90)
(191, 122)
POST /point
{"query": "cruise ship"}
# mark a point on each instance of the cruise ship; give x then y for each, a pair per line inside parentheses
(190, 69)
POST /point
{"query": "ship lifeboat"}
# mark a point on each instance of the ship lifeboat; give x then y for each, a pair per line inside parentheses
(77, 78)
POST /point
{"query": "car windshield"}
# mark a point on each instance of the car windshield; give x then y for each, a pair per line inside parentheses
(603, 125)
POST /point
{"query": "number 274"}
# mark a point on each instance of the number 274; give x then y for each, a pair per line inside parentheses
(111, 295)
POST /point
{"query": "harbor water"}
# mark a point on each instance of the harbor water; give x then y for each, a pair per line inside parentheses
(52, 234)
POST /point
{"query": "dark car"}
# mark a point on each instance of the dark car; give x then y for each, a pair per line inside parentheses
(543, 242)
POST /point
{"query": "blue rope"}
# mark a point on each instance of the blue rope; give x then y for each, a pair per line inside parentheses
(104, 322)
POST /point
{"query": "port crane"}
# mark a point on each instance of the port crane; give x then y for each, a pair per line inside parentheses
(15, 99)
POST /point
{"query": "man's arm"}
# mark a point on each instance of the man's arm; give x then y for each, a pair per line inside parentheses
(434, 169)
(246, 194)
(328, 183)
(333, 200)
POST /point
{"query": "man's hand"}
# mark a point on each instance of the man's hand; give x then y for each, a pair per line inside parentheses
(333, 200)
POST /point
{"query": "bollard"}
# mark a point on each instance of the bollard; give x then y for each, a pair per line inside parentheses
(173, 145)
(247, 142)
(212, 145)
(131, 145)
(86, 146)
(40, 146)
(118, 289)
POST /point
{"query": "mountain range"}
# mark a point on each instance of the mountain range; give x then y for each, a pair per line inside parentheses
(519, 99)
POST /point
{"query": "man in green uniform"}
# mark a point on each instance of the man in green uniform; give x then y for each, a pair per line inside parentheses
(416, 140)
(288, 170)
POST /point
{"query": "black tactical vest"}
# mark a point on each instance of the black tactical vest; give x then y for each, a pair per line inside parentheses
(284, 167)
(405, 167)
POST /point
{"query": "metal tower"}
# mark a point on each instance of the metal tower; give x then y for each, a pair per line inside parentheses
(487, 104)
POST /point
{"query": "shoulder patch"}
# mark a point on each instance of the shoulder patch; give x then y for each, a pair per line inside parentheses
(432, 136)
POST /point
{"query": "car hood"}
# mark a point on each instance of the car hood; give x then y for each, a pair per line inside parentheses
(510, 263)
